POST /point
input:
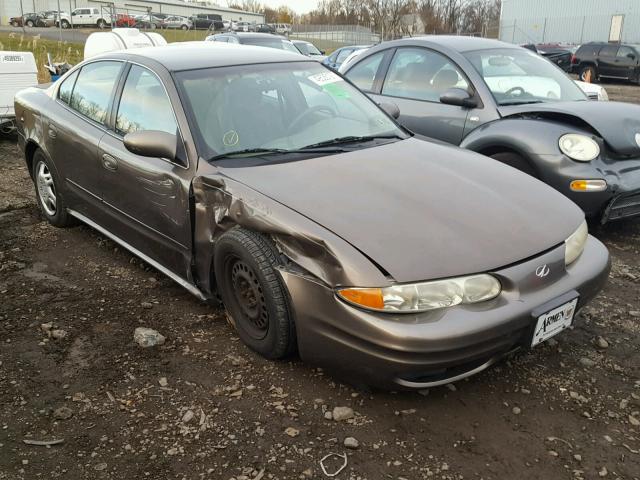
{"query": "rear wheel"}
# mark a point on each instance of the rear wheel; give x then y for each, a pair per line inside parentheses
(184, 27)
(588, 74)
(65, 24)
(516, 161)
(102, 24)
(48, 193)
(253, 293)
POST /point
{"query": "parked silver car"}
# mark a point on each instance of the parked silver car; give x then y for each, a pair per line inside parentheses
(177, 21)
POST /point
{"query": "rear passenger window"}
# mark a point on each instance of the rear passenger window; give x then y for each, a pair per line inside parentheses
(144, 104)
(608, 51)
(93, 89)
(64, 93)
(364, 73)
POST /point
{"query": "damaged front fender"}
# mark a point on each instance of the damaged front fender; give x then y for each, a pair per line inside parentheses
(222, 203)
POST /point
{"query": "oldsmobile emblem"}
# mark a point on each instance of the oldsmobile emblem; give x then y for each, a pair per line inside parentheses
(542, 271)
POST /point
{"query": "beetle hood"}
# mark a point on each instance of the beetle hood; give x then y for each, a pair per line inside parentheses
(420, 210)
(617, 123)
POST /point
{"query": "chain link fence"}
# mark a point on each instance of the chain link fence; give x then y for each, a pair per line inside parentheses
(330, 37)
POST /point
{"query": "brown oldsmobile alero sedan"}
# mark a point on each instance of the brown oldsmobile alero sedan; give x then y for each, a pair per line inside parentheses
(262, 178)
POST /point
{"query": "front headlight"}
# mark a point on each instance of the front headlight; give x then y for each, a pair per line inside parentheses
(579, 147)
(421, 297)
(574, 245)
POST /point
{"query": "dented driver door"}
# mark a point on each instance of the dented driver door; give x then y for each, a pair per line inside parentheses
(146, 198)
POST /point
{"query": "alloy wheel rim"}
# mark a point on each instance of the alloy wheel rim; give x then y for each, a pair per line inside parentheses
(46, 189)
(249, 298)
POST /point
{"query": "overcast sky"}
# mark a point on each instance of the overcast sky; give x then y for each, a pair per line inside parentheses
(299, 6)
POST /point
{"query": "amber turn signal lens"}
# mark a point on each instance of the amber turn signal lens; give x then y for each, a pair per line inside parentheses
(364, 297)
(588, 185)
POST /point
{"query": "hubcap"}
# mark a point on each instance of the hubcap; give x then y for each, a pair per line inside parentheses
(250, 299)
(46, 189)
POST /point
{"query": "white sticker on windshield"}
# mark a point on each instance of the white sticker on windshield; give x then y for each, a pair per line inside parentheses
(322, 79)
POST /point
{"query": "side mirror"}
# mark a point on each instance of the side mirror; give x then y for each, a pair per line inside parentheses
(391, 109)
(322, 52)
(152, 143)
(631, 56)
(73, 13)
(458, 97)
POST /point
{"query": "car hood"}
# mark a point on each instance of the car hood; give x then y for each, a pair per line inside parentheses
(617, 123)
(420, 210)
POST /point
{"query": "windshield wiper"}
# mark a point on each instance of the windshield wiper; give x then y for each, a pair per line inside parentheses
(520, 102)
(350, 139)
(259, 152)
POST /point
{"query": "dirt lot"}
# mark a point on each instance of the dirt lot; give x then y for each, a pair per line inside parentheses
(203, 406)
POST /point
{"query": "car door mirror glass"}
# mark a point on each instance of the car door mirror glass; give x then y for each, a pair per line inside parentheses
(152, 143)
(458, 97)
(390, 108)
(631, 56)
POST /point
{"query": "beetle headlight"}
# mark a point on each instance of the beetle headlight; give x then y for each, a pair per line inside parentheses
(579, 147)
(421, 297)
(574, 245)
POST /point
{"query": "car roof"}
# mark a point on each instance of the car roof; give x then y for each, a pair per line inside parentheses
(454, 42)
(193, 55)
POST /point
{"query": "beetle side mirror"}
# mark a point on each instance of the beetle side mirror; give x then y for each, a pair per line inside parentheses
(631, 56)
(458, 97)
(152, 143)
(322, 52)
(390, 108)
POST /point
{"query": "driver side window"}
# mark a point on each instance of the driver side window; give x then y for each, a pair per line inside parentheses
(421, 74)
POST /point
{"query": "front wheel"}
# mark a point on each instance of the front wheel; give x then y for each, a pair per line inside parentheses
(30, 24)
(48, 192)
(253, 293)
(588, 74)
(516, 161)
(184, 27)
(65, 24)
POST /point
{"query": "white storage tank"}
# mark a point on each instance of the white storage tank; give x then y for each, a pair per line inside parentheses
(17, 71)
(120, 39)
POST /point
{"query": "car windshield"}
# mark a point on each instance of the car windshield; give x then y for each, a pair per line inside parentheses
(279, 106)
(519, 76)
(270, 42)
(311, 48)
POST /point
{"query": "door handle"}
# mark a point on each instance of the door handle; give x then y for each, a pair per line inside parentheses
(109, 162)
(52, 132)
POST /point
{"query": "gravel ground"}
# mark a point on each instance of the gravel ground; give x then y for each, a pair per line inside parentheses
(203, 406)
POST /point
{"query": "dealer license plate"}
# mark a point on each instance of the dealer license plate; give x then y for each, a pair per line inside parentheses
(553, 322)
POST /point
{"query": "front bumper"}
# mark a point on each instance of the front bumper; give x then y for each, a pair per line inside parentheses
(432, 348)
(620, 200)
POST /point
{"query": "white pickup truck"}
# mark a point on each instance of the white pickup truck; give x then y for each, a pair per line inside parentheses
(84, 17)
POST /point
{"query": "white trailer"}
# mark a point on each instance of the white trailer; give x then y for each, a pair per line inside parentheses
(18, 71)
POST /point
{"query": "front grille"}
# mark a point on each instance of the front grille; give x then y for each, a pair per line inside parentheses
(624, 206)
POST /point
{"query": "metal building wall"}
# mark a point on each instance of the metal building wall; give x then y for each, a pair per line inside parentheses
(567, 21)
(11, 8)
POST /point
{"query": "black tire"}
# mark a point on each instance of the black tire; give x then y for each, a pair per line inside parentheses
(589, 70)
(60, 217)
(184, 27)
(101, 24)
(252, 291)
(65, 24)
(516, 161)
(30, 23)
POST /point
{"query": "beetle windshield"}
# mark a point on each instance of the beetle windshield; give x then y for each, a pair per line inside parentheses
(518, 76)
(279, 106)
